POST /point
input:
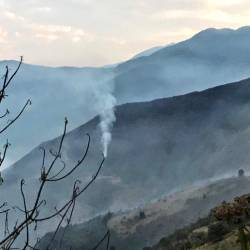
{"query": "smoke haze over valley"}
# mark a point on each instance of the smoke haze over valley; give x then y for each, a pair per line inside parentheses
(184, 131)
(144, 148)
(212, 57)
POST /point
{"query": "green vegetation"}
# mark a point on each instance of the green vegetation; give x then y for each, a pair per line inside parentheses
(226, 228)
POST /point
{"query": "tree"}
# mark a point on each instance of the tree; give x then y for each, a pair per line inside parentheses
(142, 215)
(241, 173)
(237, 214)
(31, 215)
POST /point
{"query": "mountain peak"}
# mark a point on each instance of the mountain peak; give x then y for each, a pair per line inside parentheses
(210, 32)
(244, 28)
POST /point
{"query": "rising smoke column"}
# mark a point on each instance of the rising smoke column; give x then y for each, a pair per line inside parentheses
(107, 117)
(105, 105)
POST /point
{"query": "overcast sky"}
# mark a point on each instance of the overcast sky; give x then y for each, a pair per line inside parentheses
(100, 32)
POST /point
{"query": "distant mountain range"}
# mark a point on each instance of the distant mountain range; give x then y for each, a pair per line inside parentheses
(157, 147)
(211, 57)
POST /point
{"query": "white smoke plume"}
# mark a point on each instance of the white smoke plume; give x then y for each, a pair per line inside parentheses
(107, 116)
(105, 106)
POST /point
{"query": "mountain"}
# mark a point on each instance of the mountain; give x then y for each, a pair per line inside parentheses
(165, 221)
(211, 57)
(205, 234)
(157, 147)
(148, 52)
(228, 231)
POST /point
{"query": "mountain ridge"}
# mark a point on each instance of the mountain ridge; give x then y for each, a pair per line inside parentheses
(191, 65)
(202, 134)
(156, 221)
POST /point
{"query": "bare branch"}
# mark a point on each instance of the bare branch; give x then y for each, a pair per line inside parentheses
(18, 115)
(31, 215)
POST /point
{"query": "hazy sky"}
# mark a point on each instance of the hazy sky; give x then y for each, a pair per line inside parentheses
(99, 32)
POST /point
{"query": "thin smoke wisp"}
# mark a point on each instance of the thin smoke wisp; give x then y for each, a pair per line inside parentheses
(105, 106)
(107, 117)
